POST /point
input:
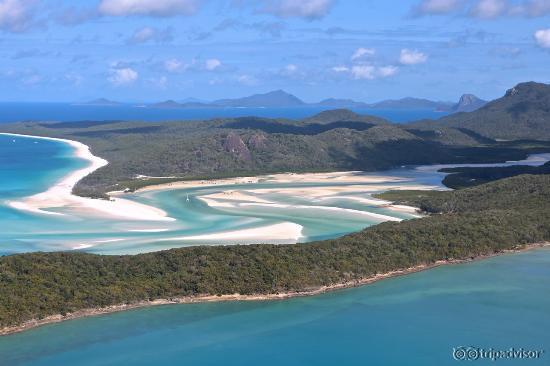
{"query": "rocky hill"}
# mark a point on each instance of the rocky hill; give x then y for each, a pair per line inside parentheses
(522, 113)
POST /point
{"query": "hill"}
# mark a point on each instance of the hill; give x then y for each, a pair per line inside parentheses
(273, 99)
(411, 103)
(330, 141)
(282, 99)
(468, 103)
(336, 115)
(522, 113)
(101, 102)
(342, 103)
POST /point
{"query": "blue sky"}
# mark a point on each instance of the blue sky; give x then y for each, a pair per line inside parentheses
(368, 50)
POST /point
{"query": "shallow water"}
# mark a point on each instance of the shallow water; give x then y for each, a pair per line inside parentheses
(416, 319)
(29, 166)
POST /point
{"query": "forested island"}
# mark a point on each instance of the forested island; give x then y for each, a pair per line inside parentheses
(463, 225)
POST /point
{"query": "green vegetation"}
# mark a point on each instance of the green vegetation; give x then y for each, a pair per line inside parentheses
(468, 177)
(523, 192)
(331, 141)
(476, 221)
(334, 140)
(409, 197)
(523, 113)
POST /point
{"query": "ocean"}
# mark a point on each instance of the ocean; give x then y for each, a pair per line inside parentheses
(420, 319)
(14, 112)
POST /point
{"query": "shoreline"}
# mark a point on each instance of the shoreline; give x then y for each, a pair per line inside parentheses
(60, 194)
(331, 185)
(355, 176)
(256, 297)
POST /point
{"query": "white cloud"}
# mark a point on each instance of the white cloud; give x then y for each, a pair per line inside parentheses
(412, 57)
(363, 72)
(146, 34)
(174, 65)
(542, 37)
(506, 52)
(32, 79)
(309, 9)
(16, 15)
(488, 9)
(212, 64)
(360, 52)
(292, 71)
(159, 8)
(531, 8)
(160, 82)
(74, 78)
(143, 35)
(437, 7)
(340, 69)
(386, 71)
(123, 76)
(367, 72)
(291, 68)
(484, 9)
(247, 80)
(537, 8)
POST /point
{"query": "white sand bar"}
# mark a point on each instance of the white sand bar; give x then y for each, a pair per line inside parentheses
(350, 177)
(286, 231)
(60, 195)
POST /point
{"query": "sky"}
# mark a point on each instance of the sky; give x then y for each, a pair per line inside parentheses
(366, 50)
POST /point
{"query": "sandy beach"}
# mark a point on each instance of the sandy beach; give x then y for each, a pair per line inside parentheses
(317, 195)
(346, 177)
(351, 185)
(345, 183)
(60, 194)
(288, 232)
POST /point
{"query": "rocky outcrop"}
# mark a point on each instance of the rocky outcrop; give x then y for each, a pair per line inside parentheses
(468, 103)
(257, 141)
(236, 146)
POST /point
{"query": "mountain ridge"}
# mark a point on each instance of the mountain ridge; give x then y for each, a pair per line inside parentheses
(522, 113)
(282, 99)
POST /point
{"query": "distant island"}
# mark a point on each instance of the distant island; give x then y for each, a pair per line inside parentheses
(100, 102)
(282, 99)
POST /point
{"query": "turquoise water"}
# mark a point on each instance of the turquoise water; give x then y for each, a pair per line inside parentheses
(417, 319)
(29, 166)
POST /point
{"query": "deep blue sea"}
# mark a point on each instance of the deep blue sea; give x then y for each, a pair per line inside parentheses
(415, 320)
(13, 112)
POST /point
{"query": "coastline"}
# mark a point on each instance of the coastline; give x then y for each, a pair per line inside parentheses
(330, 177)
(60, 194)
(256, 297)
(332, 185)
